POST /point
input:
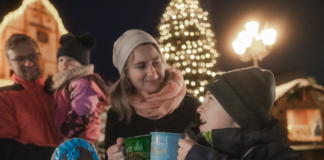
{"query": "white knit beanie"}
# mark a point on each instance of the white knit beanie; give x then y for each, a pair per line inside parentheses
(126, 43)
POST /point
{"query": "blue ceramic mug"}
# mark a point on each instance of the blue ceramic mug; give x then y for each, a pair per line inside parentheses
(164, 145)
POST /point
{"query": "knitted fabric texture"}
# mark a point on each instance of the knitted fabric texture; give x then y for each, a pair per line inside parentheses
(77, 48)
(164, 102)
(62, 78)
(126, 43)
(247, 95)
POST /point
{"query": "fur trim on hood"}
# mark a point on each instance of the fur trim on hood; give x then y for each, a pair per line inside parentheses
(62, 78)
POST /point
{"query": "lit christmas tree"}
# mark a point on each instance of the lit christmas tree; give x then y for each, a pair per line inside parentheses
(188, 43)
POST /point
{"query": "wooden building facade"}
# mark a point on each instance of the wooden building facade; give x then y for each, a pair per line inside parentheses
(40, 20)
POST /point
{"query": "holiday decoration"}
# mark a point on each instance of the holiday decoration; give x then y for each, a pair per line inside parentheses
(188, 44)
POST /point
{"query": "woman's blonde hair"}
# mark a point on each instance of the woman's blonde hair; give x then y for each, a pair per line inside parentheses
(122, 91)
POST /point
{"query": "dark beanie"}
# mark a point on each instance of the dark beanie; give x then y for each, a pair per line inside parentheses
(247, 95)
(77, 48)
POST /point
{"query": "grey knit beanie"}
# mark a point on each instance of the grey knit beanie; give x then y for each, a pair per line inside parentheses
(247, 95)
(77, 48)
(127, 42)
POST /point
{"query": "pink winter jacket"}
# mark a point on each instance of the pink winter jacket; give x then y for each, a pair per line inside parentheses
(77, 108)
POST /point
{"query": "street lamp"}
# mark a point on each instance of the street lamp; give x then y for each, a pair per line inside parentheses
(251, 44)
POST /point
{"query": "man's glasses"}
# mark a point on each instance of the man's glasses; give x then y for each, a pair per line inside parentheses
(22, 59)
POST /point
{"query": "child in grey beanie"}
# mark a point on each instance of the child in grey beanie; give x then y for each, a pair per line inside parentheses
(235, 121)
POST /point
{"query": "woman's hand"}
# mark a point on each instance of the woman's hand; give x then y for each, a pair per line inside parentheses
(185, 146)
(116, 152)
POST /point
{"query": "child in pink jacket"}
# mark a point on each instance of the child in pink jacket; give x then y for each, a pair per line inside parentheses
(80, 94)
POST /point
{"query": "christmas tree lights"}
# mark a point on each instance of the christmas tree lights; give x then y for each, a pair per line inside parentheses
(188, 43)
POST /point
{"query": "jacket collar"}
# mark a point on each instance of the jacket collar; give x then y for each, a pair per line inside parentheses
(237, 141)
(36, 85)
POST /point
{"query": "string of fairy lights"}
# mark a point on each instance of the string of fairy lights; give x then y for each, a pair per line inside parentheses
(188, 43)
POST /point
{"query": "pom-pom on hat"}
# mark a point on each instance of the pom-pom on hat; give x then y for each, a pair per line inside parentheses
(247, 95)
(127, 42)
(77, 48)
(75, 149)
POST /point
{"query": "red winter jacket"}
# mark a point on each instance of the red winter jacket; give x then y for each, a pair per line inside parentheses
(25, 113)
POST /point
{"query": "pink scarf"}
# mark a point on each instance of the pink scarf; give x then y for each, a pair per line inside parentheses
(156, 106)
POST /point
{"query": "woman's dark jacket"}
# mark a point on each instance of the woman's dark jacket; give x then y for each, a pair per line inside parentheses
(233, 143)
(184, 119)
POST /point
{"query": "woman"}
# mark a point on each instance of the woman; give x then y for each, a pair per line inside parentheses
(149, 96)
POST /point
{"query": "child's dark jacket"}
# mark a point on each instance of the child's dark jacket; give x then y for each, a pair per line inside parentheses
(233, 143)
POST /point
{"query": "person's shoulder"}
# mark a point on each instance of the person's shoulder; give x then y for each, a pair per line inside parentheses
(288, 156)
(280, 151)
(190, 97)
(191, 100)
(112, 113)
(284, 153)
(80, 81)
(14, 87)
(114, 117)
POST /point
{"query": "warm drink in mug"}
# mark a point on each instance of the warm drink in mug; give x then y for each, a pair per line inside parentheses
(138, 147)
(164, 145)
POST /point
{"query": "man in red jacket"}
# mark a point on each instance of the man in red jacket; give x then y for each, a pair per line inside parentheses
(26, 124)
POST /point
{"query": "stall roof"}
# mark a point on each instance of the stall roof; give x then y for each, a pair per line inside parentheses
(281, 90)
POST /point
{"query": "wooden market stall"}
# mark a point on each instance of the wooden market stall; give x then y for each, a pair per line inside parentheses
(299, 106)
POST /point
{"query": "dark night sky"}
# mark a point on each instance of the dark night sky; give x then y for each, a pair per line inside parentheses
(299, 25)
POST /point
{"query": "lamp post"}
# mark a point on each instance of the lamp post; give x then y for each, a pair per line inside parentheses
(251, 44)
